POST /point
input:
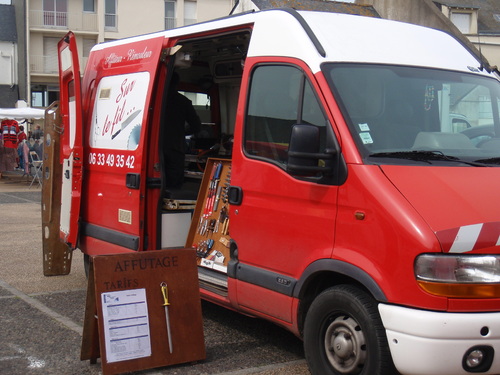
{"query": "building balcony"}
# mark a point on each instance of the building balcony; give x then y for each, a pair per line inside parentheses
(50, 20)
(47, 65)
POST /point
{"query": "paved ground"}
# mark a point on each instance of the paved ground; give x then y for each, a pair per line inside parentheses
(41, 318)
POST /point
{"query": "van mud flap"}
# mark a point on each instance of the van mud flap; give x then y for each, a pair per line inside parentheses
(56, 254)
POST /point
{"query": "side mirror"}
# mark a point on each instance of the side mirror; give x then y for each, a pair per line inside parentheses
(304, 157)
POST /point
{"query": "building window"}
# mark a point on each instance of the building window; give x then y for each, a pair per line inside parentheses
(189, 12)
(462, 21)
(50, 55)
(87, 46)
(89, 6)
(43, 95)
(110, 14)
(170, 14)
(55, 13)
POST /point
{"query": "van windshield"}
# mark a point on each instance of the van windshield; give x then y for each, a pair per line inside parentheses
(409, 115)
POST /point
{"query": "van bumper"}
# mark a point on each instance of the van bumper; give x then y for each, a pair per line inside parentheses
(429, 342)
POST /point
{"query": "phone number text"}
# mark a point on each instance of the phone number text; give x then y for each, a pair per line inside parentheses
(111, 160)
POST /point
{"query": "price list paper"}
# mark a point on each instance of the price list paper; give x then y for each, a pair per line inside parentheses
(126, 325)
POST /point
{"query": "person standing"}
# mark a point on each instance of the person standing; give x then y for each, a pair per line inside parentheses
(179, 113)
(21, 137)
(8, 151)
(38, 133)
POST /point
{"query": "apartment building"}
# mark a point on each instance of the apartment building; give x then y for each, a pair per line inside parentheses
(12, 56)
(96, 21)
(475, 22)
(479, 21)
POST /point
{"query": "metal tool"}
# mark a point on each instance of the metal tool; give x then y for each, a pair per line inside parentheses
(164, 292)
(127, 122)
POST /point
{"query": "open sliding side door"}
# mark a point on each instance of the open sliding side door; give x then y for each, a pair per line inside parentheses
(71, 152)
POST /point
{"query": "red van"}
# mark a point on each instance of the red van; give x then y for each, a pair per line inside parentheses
(326, 189)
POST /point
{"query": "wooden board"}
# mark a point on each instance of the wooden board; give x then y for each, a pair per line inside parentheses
(56, 254)
(209, 231)
(147, 271)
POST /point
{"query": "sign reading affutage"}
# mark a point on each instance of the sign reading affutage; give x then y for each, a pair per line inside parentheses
(157, 294)
(146, 264)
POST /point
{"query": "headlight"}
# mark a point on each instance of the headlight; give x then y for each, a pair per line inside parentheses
(459, 276)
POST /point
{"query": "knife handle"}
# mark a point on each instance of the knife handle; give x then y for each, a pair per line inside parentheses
(164, 292)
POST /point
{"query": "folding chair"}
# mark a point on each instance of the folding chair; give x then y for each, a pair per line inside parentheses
(36, 168)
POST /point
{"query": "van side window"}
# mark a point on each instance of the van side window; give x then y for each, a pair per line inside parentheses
(280, 97)
(118, 111)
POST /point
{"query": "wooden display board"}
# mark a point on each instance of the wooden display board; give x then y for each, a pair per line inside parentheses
(56, 254)
(126, 322)
(209, 231)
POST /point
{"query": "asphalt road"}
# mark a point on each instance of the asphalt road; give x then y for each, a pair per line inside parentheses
(41, 318)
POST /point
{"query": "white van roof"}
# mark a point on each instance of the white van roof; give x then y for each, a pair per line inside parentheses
(339, 38)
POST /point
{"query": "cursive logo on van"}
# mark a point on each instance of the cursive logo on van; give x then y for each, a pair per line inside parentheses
(111, 125)
(113, 58)
(131, 55)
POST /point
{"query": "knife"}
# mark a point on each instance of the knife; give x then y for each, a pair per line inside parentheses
(164, 291)
(126, 122)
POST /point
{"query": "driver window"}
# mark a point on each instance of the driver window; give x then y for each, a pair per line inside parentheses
(280, 97)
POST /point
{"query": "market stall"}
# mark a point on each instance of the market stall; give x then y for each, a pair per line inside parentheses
(13, 153)
(21, 113)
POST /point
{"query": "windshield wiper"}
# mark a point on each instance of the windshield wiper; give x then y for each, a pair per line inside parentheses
(425, 156)
(489, 161)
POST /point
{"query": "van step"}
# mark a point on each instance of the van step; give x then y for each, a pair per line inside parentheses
(212, 281)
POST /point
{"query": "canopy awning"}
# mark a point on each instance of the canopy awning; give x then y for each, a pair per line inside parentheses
(21, 113)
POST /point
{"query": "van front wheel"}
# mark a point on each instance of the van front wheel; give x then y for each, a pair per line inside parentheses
(344, 335)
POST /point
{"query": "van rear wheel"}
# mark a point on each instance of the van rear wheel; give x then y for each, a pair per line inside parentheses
(344, 335)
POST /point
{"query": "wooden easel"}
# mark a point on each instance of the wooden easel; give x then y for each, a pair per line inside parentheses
(147, 270)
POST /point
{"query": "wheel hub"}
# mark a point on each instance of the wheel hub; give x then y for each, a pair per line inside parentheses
(345, 345)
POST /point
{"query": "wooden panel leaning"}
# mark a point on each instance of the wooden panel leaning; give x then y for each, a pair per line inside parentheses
(56, 254)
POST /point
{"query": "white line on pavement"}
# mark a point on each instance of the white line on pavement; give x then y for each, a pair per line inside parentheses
(68, 323)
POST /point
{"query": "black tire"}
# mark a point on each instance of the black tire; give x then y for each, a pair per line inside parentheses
(344, 335)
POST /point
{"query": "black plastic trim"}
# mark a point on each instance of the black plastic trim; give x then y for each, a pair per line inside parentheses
(266, 279)
(307, 29)
(333, 265)
(153, 183)
(112, 236)
(295, 288)
(485, 365)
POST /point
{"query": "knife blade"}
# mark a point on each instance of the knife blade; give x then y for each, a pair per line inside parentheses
(164, 291)
(126, 122)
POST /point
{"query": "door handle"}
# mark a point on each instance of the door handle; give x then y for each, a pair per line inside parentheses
(235, 195)
(133, 180)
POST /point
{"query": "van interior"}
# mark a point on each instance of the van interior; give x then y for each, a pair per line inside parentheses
(210, 71)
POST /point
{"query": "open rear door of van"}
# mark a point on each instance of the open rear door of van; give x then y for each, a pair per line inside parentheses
(122, 100)
(71, 138)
